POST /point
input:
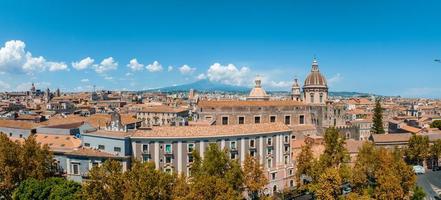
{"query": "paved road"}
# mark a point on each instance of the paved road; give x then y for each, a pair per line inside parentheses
(431, 183)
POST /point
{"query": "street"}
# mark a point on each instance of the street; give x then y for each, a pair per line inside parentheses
(431, 183)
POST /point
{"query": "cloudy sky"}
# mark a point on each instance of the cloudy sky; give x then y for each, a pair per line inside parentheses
(367, 46)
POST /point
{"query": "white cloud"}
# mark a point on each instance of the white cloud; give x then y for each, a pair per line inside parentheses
(54, 66)
(229, 74)
(108, 78)
(154, 67)
(129, 74)
(84, 80)
(280, 84)
(106, 65)
(201, 76)
(134, 65)
(185, 69)
(14, 58)
(83, 64)
(170, 68)
(335, 79)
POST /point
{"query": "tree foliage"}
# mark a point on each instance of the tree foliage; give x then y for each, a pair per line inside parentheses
(436, 124)
(254, 179)
(20, 161)
(305, 163)
(418, 149)
(47, 189)
(377, 119)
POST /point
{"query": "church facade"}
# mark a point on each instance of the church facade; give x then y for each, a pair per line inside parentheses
(307, 105)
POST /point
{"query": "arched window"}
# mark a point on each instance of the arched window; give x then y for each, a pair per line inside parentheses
(312, 97)
(321, 97)
(275, 188)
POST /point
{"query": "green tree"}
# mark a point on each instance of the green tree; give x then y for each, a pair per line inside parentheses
(305, 163)
(254, 178)
(418, 149)
(216, 176)
(10, 166)
(377, 119)
(20, 161)
(435, 151)
(364, 167)
(143, 181)
(51, 188)
(181, 188)
(67, 190)
(329, 185)
(37, 160)
(335, 151)
(418, 193)
(436, 124)
(388, 182)
(106, 182)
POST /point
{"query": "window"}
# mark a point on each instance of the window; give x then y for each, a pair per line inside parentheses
(224, 120)
(287, 119)
(190, 147)
(286, 160)
(21, 135)
(168, 159)
(286, 138)
(269, 151)
(291, 183)
(252, 153)
(302, 119)
(233, 145)
(273, 176)
(275, 188)
(101, 147)
(269, 141)
(145, 148)
(190, 158)
(76, 169)
(168, 170)
(10, 134)
(312, 97)
(321, 97)
(252, 143)
(290, 172)
(168, 148)
(87, 144)
(95, 164)
(272, 119)
(146, 158)
(286, 149)
(241, 120)
(233, 155)
(269, 163)
(117, 149)
(257, 119)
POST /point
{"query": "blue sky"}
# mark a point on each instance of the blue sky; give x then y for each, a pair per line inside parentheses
(384, 47)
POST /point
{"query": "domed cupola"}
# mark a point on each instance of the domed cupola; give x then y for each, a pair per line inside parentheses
(315, 78)
(315, 89)
(258, 93)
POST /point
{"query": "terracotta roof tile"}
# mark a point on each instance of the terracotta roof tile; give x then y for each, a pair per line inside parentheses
(211, 131)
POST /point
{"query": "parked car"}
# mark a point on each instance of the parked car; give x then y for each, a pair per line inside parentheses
(418, 169)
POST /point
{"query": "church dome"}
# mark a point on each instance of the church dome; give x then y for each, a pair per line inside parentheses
(315, 78)
(258, 93)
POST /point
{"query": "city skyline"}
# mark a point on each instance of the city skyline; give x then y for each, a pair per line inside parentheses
(73, 46)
